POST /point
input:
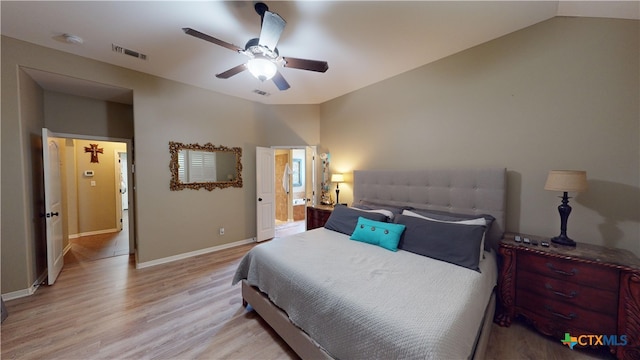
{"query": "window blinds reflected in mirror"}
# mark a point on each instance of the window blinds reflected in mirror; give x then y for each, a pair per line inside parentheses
(203, 166)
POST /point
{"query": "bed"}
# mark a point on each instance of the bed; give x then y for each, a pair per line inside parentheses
(331, 297)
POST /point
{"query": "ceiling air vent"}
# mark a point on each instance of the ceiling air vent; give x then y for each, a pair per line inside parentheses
(122, 50)
(260, 92)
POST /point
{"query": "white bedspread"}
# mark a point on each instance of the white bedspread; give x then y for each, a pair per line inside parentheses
(360, 301)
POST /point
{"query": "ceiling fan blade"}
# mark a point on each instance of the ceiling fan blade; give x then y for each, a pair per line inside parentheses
(233, 71)
(211, 39)
(272, 27)
(280, 82)
(304, 64)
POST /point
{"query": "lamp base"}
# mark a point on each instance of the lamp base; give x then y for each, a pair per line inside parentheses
(563, 240)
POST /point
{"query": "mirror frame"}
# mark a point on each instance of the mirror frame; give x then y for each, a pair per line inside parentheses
(176, 184)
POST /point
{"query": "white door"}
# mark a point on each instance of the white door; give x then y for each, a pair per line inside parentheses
(265, 193)
(118, 186)
(53, 205)
(124, 185)
(310, 175)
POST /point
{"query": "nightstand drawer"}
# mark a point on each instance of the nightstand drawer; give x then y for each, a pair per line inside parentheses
(566, 270)
(586, 297)
(587, 289)
(567, 315)
(317, 216)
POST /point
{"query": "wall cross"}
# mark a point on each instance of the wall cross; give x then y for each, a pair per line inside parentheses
(94, 150)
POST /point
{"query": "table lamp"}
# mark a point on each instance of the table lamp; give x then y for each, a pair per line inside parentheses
(565, 181)
(337, 178)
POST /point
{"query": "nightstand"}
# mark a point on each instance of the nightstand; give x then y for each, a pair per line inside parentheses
(318, 215)
(582, 290)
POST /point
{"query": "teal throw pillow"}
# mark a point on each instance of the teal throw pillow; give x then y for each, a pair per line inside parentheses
(383, 234)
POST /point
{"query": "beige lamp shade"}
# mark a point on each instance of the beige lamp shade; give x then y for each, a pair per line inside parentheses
(566, 181)
(337, 178)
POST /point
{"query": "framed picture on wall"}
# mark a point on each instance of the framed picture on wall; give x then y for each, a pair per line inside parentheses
(295, 177)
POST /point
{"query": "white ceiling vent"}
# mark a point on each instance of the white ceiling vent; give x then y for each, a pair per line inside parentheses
(122, 50)
(260, 92)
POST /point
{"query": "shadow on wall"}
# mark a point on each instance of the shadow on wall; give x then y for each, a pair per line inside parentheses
(514, 201)
(615, 203)
(39, 206)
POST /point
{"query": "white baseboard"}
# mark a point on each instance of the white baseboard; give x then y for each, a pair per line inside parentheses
(26, 292)
(169, 259)
(31, 290)
(97, 232)
(66, 249)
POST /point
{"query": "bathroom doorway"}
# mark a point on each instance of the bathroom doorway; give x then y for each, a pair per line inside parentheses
(294, 188)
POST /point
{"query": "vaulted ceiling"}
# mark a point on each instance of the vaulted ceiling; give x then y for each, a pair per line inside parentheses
(364, 42)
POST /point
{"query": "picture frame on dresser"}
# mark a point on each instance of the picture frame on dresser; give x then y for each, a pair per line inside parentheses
(582, 290)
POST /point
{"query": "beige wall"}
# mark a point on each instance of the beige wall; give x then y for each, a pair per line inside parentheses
(177, 112)
(69, 114)
(21, 226)
(70, 189)
(562, 94)
(96, 208)
(163, 111)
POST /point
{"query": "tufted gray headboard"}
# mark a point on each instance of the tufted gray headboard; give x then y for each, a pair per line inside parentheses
(463, 191)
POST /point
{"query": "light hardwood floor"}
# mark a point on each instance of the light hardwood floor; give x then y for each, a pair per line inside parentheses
(106, 309)
(93, 247)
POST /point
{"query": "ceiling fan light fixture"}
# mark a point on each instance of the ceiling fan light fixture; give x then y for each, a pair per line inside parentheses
(263, 69)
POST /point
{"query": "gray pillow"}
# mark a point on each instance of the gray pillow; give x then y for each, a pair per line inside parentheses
(344, 219)
(449, 216)
(454, 243)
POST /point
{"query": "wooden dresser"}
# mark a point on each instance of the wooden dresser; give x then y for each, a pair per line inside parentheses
(582, 290)
(318, 215)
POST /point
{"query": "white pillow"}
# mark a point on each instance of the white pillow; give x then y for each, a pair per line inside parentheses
(384, 212)
(479, 221)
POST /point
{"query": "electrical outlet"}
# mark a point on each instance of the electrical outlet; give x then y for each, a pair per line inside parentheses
(221, 231)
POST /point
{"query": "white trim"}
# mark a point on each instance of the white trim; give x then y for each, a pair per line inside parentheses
(26, 292)
(92, 137)
(117, 174)
(67, 248)
(130, 179)
(169, 259)
(97, 232)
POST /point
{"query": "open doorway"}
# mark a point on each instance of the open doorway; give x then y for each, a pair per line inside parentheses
(97, 199)
(293, 188)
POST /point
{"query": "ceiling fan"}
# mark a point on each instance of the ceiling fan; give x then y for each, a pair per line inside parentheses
(264, 58)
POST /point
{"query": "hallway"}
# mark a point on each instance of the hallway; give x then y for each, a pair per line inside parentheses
(94, 247)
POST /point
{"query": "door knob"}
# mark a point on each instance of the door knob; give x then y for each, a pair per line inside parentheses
(259, 199)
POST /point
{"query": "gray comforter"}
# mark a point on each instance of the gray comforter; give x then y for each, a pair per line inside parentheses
(360, 301)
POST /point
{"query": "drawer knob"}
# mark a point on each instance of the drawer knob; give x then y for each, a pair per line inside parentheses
(562, 272)
(571, 316)
(571, 295)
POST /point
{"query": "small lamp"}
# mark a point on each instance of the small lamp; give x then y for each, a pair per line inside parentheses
(337, 178)
(565, 181)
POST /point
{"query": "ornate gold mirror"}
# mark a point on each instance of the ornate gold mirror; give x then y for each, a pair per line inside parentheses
(195, 166)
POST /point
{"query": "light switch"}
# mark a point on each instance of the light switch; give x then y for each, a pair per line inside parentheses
(93, 183)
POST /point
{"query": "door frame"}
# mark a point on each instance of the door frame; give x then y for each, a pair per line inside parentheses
(309, 168)
(120, 153)
(118, 189)
(130, 177)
